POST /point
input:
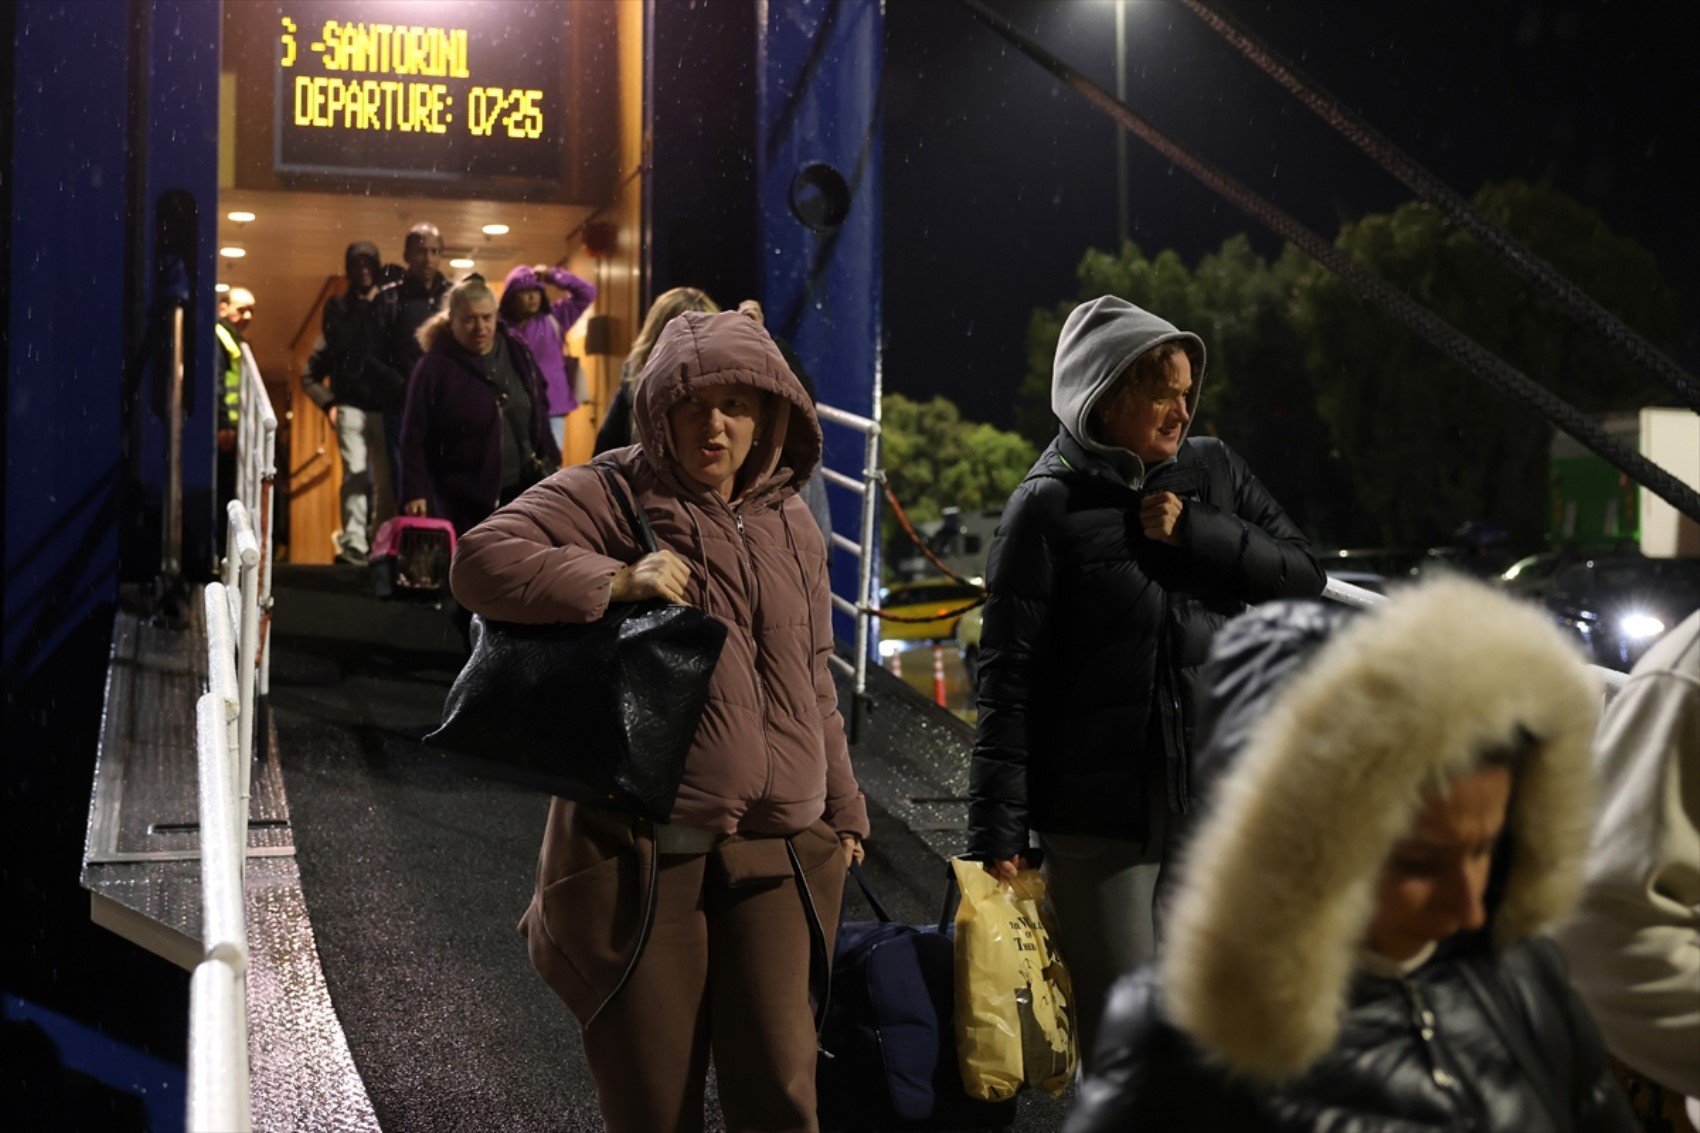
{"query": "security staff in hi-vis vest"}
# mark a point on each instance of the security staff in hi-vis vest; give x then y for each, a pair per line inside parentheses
(235, 312)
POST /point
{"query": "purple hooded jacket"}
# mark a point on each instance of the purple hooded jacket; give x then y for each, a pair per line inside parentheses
(545, 331)
(451, 434)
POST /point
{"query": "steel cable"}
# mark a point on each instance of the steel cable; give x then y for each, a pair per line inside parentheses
(1407, 311)
(1426, 185)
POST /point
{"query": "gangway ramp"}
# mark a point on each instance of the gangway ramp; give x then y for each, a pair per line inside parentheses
(415, 875)
(142, 870)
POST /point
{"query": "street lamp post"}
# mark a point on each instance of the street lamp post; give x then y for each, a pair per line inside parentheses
(1121, 134)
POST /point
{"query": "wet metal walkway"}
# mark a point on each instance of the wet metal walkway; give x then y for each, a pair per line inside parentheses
(394, 884)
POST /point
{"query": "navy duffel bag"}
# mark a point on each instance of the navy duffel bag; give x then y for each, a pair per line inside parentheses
(888, 1041)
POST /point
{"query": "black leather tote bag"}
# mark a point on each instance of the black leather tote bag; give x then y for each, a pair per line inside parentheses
(602, 713)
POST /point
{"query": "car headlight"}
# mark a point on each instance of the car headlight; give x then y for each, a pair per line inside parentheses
(1639, 627)
(890, 649)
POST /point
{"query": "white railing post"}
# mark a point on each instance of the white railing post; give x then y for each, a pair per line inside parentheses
(867, 488)
(243, 559)
(224, 933)
(259, 459)
(221, 678)
(866, 583)
(220, 1100)
(219, 1095)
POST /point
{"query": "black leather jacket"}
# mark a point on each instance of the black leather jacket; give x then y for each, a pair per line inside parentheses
(339, 371)
(1477, 1039)
(1094, 634)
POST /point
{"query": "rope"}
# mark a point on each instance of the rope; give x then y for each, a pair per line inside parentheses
(908, 529)
(1426, 185)
(902, 518)
(1401, 307)
(917, 619)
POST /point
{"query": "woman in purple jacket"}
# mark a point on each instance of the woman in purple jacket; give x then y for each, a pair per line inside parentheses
(543, 327)
(474, 433)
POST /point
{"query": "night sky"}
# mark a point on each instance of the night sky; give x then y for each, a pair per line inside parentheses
(997, 177)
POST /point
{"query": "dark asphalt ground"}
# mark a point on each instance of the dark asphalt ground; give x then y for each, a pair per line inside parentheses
(415, 875)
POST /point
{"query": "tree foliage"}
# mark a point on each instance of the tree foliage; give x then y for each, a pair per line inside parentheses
(1364, 431)
(934, 459)
(1430, 444)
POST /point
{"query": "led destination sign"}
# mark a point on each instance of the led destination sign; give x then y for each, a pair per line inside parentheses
(361, 89)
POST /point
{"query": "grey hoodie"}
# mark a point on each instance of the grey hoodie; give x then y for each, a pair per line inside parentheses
(1099, 342)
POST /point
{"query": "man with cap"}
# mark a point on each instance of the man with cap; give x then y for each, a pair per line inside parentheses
(342, 379)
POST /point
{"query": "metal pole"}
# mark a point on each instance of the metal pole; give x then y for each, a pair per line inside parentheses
(171, 552)
(865, 568)
(246, 552)
(1121, 134)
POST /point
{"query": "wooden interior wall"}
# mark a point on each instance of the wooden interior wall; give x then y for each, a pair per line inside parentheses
(311, 479)
(619, 276)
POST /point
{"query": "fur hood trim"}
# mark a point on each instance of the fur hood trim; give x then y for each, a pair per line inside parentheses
(1278, 885)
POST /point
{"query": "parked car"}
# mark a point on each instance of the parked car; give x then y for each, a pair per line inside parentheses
(1617, 603)
(939, 602)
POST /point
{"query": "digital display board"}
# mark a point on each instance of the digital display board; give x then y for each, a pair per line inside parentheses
(421, 89)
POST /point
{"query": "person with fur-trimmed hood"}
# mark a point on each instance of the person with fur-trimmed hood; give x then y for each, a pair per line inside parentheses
(1396, 809)
(1127, 545)
(474, 434)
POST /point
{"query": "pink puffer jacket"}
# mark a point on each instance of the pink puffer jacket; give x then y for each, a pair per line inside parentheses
(770, 755)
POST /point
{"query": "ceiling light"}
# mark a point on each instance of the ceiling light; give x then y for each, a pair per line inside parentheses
(495, 230)
(239, 216)
(221, 288)
(232, 252)
(461, 263)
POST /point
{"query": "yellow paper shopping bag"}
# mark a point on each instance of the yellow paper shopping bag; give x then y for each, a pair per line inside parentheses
(1014, 1006)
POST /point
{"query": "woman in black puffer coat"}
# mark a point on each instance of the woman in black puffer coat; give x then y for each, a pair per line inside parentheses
(1395, 808)
(1129, 543)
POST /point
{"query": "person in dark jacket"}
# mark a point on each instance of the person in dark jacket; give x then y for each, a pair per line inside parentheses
(1118, 556)
(476, 430)
(403, 308)
(339, 379)
(1398, 810)
(619, 428)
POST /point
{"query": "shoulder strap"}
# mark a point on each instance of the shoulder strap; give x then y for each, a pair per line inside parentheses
(861, 880)
(634, 515)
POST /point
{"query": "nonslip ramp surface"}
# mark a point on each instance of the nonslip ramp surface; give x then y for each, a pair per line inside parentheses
(415, 876)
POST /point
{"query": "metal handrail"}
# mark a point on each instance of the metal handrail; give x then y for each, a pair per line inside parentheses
(257, 457)
(219, 1095)
(171, 531)
(868, 487)
(220, 1098)
(224, 933)
(238, 617)
(242, 576)
(1348, 594)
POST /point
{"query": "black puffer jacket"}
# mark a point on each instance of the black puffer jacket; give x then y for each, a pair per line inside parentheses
(1383, 1074)
(1093, 635)
(1325, 731)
